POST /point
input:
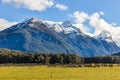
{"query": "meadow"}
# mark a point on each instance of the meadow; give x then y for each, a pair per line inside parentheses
(59, 73)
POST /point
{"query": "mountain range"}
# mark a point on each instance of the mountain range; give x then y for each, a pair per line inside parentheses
(34, 35)
(117, 54)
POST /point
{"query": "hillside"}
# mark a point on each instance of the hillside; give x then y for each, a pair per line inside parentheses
(34, 35)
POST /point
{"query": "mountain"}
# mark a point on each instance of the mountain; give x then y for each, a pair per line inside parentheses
(34, 35)
(107, 40)
(105, 35)
(117, 54)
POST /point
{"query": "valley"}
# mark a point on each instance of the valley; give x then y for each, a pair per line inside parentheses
(59, 40)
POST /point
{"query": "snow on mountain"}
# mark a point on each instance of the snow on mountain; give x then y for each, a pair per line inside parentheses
(35, 35)
(67, 24)
(105, 35)
(69, 28)
(34, 19)
(65, 27)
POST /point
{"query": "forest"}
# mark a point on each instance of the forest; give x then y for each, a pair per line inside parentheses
(10, 56)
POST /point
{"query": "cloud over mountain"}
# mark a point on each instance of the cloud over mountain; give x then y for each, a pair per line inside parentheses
(97, 23)
(5, 24)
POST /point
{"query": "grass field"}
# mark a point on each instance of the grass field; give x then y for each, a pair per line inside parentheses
(58, 73)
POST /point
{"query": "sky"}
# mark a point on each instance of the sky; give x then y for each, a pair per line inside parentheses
(91, 16)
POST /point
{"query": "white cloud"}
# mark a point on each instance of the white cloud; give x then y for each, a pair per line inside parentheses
(5, 24)
(98, 23)
(61, 6)
(36, 5)
(80, 18)
(102, 13)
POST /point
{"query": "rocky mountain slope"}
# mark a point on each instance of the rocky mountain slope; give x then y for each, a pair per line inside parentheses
(34, 35)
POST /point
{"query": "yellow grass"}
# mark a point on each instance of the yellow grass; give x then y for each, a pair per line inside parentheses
(59, 73)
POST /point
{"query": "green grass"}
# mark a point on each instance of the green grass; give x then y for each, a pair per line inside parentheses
(58, 73)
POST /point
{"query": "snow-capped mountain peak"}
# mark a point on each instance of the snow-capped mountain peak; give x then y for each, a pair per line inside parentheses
(67, 23)
(29, 22)
(34, 19)
(105, 35)
(66, 27)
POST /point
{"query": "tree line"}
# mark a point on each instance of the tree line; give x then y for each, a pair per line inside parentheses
(104, 60)
(9, 56)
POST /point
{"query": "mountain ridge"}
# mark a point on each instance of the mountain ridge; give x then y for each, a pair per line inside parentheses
(33, 35)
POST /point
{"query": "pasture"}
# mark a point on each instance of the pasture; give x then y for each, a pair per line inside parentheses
(59, 73)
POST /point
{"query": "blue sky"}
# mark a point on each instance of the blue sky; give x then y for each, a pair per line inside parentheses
(91, 16)
(109, 7)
